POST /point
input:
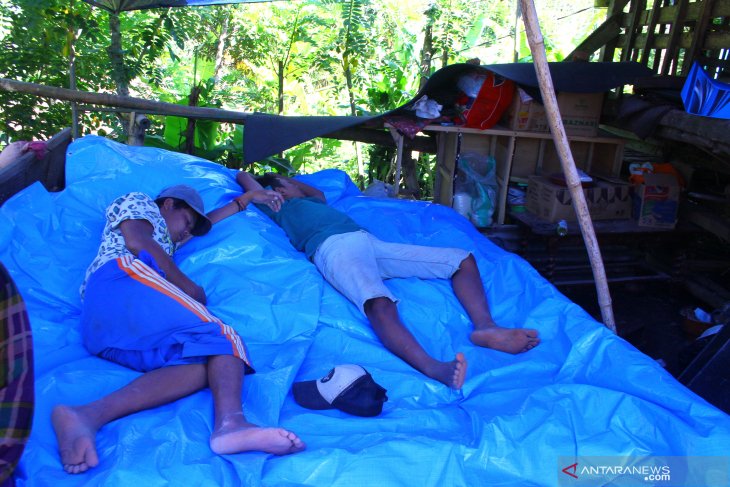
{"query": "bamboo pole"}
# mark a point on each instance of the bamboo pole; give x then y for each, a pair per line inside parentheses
(132, 103)
(537, 47)
(366, 135)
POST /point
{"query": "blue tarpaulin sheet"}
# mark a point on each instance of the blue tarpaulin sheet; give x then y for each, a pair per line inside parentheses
(705, 96)
(582, 392)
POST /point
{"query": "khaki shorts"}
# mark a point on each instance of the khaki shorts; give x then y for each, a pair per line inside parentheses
(356, 264)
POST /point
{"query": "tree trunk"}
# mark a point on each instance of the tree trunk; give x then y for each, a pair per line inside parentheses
(222, 38)
(280, 73)
(190, 130)
(116, 56)
(71, 39)
(516, 38)
(119, 74)
(426, 55)
(410, 174)
(353, 112)
(445, 43)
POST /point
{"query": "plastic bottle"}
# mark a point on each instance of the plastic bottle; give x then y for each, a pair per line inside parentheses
(562, 228)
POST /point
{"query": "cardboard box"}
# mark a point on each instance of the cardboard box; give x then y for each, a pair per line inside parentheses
(656, 201)
(552, 202)
(581, 113)
(524, 112)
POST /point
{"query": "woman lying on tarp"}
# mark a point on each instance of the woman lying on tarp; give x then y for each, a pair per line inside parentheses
(141, 311)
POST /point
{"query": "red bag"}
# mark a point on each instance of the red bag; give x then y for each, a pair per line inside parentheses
(493, 98)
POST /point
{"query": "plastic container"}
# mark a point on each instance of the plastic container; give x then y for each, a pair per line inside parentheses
(562, 228)
(462, 204)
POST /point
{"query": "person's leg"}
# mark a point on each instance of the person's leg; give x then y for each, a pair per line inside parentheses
(469, 290)
(405, 260)
(383, 316)
(76, 426)
(232, 433)
(348, 262)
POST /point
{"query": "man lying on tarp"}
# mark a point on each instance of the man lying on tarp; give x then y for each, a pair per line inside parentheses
(141, 311)
(355, 263)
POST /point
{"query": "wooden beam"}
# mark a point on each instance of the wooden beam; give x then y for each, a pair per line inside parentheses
(382, 137)
(708, 128)
(632, 29)
(712, 222)
(669, 12)
(698, 35)
(707, 290)
(650, 33)
(670, 61)
(714, 41)
(616, 7)
(606, 32)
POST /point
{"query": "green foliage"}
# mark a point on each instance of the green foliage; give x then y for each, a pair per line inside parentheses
(36, 38)
(310, 57)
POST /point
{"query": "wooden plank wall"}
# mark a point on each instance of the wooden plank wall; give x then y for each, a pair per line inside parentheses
(666, 35)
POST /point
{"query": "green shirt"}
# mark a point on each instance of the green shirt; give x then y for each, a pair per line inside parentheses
(309, 221)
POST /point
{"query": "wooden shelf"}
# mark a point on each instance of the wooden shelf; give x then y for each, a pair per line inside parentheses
(517, 155)
(523, 134)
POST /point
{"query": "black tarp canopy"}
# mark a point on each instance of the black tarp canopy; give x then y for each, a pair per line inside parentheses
(266, 135)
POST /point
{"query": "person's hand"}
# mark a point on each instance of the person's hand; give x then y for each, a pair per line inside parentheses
(267, 197)
(196, 292)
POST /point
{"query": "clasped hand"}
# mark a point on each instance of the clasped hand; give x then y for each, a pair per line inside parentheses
(268, 197)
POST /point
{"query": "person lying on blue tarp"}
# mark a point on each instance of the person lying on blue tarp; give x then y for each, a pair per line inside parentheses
(141, 311)
(355, 263)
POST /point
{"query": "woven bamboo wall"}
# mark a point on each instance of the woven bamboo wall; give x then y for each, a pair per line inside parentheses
(665, 35)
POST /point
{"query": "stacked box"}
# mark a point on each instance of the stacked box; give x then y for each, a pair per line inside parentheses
(580, 112)
(656, 201)
(552, 202)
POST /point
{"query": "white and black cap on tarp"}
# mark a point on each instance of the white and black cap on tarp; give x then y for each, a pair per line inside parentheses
(349, 388)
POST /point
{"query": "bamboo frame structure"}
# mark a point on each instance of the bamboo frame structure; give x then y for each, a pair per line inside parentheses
(537, 48)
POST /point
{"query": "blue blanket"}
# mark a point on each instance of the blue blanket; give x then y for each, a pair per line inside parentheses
(582, 392)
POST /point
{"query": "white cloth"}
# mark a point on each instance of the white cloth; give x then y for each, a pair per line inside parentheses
(356, 263)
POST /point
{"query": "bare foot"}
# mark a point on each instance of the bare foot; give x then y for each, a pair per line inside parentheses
(255, 438)
(510, 340)
(451, 373)
(76, 439)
